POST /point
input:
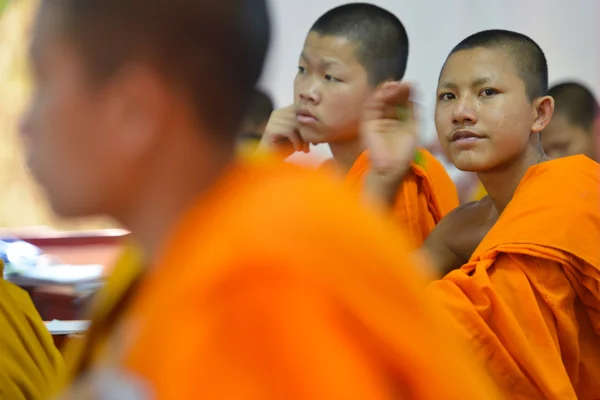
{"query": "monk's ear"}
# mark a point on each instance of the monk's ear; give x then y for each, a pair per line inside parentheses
(543, 110)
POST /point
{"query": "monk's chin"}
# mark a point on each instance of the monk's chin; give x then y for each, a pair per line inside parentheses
(471, 165)
(312, 136)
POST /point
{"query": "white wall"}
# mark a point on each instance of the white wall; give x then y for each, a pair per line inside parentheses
(568, 32)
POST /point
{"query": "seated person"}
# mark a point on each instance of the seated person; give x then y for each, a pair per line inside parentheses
(255, 121)
(574, 128)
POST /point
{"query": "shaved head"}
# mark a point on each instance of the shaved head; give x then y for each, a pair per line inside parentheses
(528, 57)
(259, 110)
(576, 102)
(382, 41)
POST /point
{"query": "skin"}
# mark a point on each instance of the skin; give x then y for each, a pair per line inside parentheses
(481, 91)
(562, 138)
(333, 86)
(131, 147)
(349, 114)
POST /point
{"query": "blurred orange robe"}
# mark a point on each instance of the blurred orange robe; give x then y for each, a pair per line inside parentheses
(426, 195)
(529, 299)
(278, 285)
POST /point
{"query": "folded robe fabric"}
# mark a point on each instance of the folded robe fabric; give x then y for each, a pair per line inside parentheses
(528, 301)
(425, 196)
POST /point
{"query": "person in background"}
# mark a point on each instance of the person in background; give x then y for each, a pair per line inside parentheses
(353, 59)
(575, 126)
(254, 123)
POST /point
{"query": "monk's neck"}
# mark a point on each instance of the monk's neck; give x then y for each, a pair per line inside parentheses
(345, 154)
(176, 181)
(502, 183)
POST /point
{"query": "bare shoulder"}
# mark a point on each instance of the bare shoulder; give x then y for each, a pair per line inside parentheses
(458, 234)
(469, 214)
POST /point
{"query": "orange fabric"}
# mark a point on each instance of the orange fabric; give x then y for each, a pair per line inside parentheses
(529, 299)
(425, 196)
(287, 299)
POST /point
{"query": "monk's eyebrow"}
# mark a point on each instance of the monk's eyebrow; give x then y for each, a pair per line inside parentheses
(447, 85)
(477, 82)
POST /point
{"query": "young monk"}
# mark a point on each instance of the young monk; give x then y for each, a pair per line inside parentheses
(349, 53)
(304, 294)
(528, 298)
(254, 123)
(30, 361)
(575, 126)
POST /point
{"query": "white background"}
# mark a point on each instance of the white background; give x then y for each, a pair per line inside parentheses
(567, 30)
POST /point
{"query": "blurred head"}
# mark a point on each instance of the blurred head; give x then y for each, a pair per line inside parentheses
(254, 123)
(491, 100)
(257, 115)
(574, 126)
(117, 80)
(347, 53)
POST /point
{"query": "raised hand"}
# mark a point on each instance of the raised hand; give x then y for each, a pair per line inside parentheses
(389, 129)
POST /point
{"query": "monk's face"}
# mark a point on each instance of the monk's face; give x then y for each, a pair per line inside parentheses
(329, 90)
(77, 132)
(483, 116)
(562, 138)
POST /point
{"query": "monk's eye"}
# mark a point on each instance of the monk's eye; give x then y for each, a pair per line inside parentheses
(331, 78)
(446, 96)
(301, 70)
(488, 92)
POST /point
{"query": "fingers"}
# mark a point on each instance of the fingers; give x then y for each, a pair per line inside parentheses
(282, 132)
(297, 141)
(394, 93)
(390, 100)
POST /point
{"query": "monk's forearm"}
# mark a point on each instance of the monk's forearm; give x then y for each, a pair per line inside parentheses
(383, 187)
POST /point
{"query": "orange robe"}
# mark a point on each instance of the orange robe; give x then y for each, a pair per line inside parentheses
(279, 285)
(529, 299)
(426, 195)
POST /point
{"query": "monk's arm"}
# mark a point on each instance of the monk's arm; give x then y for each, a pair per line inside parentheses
(381, 188)
(437, 252)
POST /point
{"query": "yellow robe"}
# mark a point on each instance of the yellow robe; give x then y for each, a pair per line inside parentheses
(30, 363)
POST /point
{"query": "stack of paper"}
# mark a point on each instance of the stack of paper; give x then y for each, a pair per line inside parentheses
(59, 274)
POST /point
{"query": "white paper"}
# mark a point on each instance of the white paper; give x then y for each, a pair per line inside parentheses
(57, 327)
(60, 274)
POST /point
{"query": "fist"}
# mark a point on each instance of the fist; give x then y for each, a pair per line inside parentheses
(281, 134)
